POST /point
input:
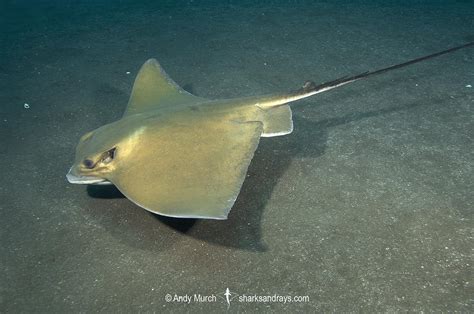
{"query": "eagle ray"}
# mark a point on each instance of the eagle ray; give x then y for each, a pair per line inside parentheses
(179, 155)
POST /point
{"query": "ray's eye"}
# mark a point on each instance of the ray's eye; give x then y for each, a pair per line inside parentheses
(89, 164)
(109, 155)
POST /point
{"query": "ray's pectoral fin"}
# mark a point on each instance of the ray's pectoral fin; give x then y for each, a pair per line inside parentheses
(191, 169)
(153, 88)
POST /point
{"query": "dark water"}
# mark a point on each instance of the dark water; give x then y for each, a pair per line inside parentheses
(367, 206)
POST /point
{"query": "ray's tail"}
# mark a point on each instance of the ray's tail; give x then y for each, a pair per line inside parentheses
(310, 88)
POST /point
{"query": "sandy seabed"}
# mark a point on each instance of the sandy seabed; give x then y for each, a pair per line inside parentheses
(367, 206)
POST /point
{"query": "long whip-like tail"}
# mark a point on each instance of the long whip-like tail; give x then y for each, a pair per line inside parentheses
(310, 88)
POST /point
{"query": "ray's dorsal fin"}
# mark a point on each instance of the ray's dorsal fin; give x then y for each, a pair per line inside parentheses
(153, 88)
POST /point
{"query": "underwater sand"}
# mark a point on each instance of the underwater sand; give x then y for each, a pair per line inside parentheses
(367, 206)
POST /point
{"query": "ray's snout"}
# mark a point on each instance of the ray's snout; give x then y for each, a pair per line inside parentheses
(75, 178)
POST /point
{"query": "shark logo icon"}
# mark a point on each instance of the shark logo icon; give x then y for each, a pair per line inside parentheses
(228, 296)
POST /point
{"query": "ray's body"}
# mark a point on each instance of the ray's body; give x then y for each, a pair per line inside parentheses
(180, 155)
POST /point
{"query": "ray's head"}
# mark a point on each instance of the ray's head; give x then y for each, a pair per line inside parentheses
(100, 152)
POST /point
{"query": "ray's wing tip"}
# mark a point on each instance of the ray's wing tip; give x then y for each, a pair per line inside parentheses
(152, 61)
(172, 214)
(218, 217)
